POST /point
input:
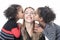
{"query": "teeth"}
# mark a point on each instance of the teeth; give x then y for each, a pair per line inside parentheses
(29, 17)
(37, 22)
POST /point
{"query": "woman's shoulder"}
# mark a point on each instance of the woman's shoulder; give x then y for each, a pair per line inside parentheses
(57, 27)
(53, 25)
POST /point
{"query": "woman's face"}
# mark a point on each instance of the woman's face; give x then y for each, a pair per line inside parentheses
(20, 13)
(29, 14)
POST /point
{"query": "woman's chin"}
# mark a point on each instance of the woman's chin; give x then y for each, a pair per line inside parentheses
(29, 21)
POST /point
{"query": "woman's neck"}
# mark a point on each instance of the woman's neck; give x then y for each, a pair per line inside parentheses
(29, 28)
(29, 25)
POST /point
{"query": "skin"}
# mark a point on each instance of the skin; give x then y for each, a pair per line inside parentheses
(29, 14)
(20, 14)
(36, 16)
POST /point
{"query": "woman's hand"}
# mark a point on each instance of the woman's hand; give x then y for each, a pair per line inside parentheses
(38, 29)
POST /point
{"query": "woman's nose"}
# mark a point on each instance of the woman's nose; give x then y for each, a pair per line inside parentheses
(29, 14)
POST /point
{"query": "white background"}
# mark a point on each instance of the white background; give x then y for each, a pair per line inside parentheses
(54, 4)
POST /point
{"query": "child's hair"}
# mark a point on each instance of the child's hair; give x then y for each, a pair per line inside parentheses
(12, 11)
(46, 13)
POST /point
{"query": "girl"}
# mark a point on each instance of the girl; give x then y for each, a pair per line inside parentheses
(11, 29)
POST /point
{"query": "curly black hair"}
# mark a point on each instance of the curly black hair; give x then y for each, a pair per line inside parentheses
(11, 11)
(46, 13)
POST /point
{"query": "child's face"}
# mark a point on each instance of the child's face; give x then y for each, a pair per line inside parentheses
(20, 13)
(36, 18)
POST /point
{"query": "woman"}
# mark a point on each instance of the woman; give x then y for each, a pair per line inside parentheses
(27, 28)
(11, 29)
(46, 17)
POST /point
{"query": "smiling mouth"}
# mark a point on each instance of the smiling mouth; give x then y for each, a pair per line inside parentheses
(29, 18)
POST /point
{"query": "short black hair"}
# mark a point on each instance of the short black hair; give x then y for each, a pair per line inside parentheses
(46, 13)
(11, 11)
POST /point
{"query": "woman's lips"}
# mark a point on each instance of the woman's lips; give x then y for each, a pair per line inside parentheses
(29, 18)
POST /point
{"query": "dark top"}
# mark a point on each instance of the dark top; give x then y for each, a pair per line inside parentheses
(29, 38)
(10, 30)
